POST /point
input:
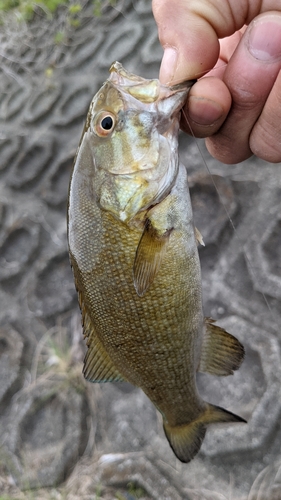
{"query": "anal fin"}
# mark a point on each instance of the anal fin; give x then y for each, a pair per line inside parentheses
(221, 353)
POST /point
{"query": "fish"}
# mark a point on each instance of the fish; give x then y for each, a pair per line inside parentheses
(133, 252)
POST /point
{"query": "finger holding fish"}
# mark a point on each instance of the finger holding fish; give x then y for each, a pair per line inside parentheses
(245, 42)
(207, 107)
(252, 77)
(237, 107)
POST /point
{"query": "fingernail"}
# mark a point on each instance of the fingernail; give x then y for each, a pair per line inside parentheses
(204, 111)
(264, 39)
(168, 65)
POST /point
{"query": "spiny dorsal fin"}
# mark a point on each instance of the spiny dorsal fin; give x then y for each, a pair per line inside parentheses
(98, 366)
(199, 237)
(149, 255)
(221, 353)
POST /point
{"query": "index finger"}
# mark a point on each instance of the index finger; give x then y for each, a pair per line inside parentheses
(189, 31)
(185, 56)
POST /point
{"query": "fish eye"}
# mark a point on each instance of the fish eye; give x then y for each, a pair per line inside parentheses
(104, 123)
(107, 123)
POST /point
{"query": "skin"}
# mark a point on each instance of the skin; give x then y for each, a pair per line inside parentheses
(237, 104)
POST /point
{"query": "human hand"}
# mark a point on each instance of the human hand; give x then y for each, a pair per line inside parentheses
(238, 104)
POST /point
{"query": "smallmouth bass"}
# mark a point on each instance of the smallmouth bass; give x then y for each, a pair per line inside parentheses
(133, 251)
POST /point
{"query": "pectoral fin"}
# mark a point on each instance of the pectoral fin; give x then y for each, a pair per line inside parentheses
(98, 366)
(221, 352)
(149, 255)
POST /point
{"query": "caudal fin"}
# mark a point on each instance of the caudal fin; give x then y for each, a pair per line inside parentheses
(186, 440)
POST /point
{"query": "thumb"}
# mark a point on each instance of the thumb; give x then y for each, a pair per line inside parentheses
(189, 32)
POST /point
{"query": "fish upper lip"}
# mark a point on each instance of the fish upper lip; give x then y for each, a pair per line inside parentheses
(121, 79)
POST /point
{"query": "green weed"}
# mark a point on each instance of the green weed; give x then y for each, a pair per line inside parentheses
(27, 9)
(136, 491)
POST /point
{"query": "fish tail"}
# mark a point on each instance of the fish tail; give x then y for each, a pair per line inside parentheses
(186, 440)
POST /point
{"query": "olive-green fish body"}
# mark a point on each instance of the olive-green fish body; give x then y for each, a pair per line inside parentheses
(134, 255)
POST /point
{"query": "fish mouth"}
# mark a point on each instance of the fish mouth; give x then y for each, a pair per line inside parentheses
(145, 90)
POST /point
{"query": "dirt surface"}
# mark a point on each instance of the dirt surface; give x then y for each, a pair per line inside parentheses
(60, 436)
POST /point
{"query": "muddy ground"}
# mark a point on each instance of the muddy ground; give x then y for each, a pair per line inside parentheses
(60, 436)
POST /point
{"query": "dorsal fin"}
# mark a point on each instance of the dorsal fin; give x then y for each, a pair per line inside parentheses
(98, 366)
(221, 353)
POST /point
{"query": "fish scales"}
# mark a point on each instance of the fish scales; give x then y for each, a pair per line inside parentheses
(134, 255)
(153, 320)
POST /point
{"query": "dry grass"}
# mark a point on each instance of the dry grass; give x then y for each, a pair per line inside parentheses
(30, 51)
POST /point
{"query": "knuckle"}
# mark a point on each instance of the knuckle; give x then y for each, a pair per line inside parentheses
(226, 150)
